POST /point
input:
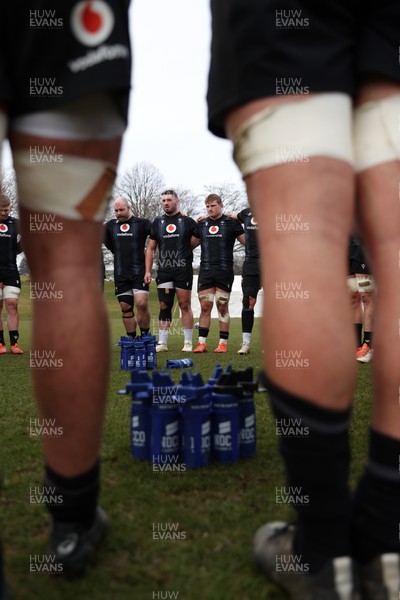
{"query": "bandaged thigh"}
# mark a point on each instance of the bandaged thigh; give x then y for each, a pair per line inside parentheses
(77, 188)
(376, 132)
(11, 292)
(64, 184)
(352, 284)
(320, 125)
(365, 283)
(209, 297)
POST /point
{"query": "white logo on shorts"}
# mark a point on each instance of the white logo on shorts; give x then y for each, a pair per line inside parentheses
(92, 22)
(68, 545)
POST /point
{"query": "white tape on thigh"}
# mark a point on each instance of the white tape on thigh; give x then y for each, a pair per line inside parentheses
(316, 126)
(11, 291)
(208, 297)
(365, 283)
(377, 132)
(75, 188)
(168, 285)
(352, 284)
(93, 117)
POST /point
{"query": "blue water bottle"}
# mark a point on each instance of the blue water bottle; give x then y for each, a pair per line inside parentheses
(151, 354)
(195, 407)
(247, 421)
(140, 354)
(149, 342)
(127, 356)
(215, 375)
(179, 363)
(141, 388)
(166, 433)
(225, 419)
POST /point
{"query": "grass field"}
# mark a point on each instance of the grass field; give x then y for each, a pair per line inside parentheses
(217, 508)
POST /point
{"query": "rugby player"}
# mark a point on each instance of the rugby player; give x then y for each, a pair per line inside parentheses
(125, 237)
(309, 94)
(251, 277)
(172, 233)
(64, 93)
(217, 235)
(362, 296)
(10, 282)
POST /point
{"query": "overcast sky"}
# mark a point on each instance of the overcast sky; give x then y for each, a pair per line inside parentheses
(168, 115)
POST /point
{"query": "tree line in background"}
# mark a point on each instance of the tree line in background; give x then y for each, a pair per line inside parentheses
(142, 186)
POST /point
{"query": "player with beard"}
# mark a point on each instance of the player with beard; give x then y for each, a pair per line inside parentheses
(172, 233)
(217, 235)
(125, 237)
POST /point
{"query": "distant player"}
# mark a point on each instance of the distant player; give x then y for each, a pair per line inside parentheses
(217, 235)
(251, 282)
(125, 237)
(10, 282)
(362, 292)
(172, 233)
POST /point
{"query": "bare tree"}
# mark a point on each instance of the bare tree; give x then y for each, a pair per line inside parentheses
(9, 188)
(234, 200)
(141, 185)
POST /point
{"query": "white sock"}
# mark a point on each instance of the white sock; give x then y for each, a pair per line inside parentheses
(221, 341)
(188, 335)
(163, 336)
(202, 340)
(246, 338)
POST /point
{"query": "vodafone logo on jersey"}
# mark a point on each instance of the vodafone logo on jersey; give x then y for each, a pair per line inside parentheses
(171, 228)
(254, 221)
(3, 228)
(92, 22)
(213, 229)
(124, 227)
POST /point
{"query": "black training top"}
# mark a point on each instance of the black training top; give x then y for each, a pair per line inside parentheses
(218, 237)
(9, 245)
(127, 242)
(173, 235)
(250, 227)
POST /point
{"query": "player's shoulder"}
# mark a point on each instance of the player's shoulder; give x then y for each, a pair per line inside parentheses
(229, 220)
(142, 221)
(188, 219)
(245, 213)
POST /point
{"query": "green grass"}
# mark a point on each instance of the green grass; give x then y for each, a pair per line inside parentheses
(218, 507)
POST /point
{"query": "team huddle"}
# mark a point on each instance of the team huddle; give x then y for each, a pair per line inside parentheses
(134, 242)
(175, 235)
